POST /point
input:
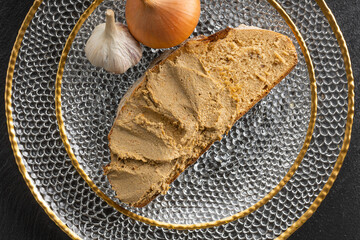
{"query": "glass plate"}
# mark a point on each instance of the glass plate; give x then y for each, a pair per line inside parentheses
(235, 173)
(258, 173)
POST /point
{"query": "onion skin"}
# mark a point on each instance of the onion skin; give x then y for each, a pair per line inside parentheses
(162, 23)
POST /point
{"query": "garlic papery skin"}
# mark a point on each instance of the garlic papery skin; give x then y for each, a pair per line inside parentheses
(162, 23)
(112, 47)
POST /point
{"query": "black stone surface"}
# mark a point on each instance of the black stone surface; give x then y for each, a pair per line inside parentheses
(21, 217)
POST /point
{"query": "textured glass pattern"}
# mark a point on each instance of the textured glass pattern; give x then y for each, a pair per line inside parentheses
(236, 172)
(91, 218)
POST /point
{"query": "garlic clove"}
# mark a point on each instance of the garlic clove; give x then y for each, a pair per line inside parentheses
(162, 23)
(112, 47)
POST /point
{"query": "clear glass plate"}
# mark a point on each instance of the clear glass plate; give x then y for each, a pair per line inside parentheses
(233, 176)
(234, 173)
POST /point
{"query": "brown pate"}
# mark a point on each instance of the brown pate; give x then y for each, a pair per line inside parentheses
(186, 102)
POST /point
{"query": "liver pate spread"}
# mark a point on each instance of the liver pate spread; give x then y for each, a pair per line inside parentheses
(187, 102)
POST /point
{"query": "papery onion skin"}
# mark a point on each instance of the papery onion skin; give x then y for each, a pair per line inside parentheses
(162, 23)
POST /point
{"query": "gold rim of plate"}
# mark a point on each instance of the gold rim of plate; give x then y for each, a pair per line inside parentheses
(8, 91)
(156, 223)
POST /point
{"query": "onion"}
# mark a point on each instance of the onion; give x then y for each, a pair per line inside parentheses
(162, 23)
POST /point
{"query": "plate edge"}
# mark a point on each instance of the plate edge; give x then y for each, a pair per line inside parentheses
(349, 122)
(10, 123)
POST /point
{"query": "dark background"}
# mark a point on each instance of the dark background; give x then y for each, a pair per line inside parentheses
(21, 217)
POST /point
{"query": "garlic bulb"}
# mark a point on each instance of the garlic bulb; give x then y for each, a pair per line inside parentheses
(162, 23)
(112, 47)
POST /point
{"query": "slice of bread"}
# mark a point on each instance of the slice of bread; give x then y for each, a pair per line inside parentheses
(188, 100)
